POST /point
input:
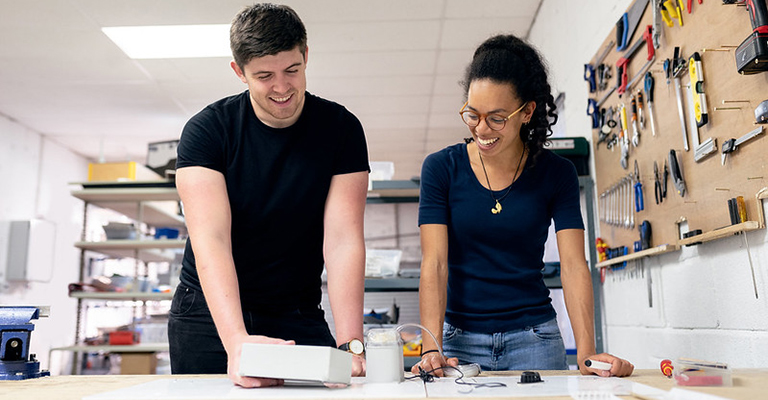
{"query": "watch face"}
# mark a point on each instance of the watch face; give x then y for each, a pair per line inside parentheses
(356, 346)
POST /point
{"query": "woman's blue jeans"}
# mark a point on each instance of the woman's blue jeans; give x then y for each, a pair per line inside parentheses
(538, 347)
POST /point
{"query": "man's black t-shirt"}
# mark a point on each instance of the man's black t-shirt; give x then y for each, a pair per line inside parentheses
(277, 183)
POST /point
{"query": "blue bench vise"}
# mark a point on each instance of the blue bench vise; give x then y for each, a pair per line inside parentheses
(15, 330)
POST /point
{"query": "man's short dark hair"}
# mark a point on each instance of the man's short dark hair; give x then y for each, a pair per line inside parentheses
(265, 29)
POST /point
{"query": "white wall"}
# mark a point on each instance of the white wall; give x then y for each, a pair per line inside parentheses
(34, 173)
(704, 305)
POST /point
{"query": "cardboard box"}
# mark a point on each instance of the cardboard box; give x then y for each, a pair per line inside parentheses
(123, 171)
(138, 363)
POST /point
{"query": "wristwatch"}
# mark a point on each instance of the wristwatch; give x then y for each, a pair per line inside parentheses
(354, 346)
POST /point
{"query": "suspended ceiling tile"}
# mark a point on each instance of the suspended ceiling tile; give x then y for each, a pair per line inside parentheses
(470, 33)
(380, 63)
(378, 36)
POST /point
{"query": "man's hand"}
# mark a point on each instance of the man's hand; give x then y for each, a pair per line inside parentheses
(358, 365)
(619, 367)
(233, 362)
(434, 362)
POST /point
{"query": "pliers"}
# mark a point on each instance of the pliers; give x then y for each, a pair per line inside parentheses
(657, 183)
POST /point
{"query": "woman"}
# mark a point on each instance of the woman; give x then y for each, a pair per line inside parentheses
(484, 215)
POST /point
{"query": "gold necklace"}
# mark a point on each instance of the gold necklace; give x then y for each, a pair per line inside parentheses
(497, 208)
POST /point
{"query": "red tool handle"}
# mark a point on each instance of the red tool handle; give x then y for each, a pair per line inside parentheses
(621, 69)
(648, 36)
(758, 14)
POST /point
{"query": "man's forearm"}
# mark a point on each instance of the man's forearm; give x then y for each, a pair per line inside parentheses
(222, 295)
(346, 284)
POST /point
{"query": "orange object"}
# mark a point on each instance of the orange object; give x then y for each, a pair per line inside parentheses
(123, 337)
(412, 349)
(666, 368)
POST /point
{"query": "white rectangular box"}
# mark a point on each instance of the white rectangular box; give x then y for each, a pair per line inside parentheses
(305, 363)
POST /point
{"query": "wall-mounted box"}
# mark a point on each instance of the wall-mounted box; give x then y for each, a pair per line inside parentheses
(30, 251)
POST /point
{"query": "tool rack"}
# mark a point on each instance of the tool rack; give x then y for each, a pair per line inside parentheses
(713, 30)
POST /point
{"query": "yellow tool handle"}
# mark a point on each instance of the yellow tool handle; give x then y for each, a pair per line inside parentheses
(742, 208)
(671, 10)
(624, 124)
(665, 16)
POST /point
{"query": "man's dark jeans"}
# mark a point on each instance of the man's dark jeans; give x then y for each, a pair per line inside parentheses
(195, 345)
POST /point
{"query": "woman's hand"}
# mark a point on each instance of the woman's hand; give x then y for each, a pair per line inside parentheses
(433, 363)
(619, 366)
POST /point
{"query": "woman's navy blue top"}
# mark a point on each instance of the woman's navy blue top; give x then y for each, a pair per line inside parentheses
(495, 282)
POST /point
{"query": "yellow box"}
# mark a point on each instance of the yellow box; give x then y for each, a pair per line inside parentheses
(122, 171)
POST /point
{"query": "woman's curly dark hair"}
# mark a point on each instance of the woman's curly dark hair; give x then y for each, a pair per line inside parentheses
(508, 59)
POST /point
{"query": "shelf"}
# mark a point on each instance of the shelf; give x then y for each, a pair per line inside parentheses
(133, 348)
(412, 284)
(720, 233)
(148, 250)
(160, 205)
(398, 191)
(127, 296)
(156, 183)
(553, 282)
(126, 194)
(704, 237)
(391, 284)
(653, 251)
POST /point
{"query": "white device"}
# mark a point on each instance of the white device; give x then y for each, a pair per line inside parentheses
(296, 363)
(384, 356)
(598, 365)
(468, 371)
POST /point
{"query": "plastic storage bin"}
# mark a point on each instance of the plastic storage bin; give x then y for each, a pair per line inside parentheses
(688, 372)
(382, 263)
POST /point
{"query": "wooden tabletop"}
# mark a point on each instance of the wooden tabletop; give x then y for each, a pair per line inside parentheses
(748, 384)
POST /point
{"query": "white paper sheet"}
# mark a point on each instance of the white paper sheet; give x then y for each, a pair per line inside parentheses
(222, 388)
(578, 387)
(575, 386)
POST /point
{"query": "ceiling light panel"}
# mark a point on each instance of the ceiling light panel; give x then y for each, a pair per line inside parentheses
(171, 41)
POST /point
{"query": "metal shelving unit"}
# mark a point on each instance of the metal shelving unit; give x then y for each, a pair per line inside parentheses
(153, 204)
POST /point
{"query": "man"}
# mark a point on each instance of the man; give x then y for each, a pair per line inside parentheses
(273, 183)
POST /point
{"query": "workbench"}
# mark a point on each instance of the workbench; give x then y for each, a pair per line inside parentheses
(748, 384)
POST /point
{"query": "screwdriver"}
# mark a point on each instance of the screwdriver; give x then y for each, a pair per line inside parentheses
(635, 131)
(640, 113)
(648, 87)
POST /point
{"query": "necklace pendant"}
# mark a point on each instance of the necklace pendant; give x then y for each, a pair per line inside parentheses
(496, 209)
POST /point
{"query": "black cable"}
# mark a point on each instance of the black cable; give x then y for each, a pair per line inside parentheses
(428, 376)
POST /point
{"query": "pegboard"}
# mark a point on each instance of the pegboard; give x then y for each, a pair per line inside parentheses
(714, 31)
